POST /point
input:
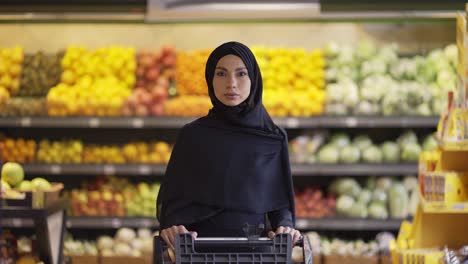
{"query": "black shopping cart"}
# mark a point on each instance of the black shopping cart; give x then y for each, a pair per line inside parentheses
(260, 250)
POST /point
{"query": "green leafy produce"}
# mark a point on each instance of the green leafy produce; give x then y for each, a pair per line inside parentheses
(407, 137)
(358, 210)
(430, 143)
(377, 211)
(391, 152)
(410, 152)
(384, 183)
(346, 186)
(344, 205)
(350, 154)
(365, 197)
(379, 196)
(340, 140)
(398, 201)
(372, 154)
(329, 154)
(362, 142)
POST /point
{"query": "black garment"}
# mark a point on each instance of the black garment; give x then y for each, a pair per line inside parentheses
(234, 160)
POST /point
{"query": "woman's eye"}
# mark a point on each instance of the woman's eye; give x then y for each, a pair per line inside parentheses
(220, 73)
(242, 73)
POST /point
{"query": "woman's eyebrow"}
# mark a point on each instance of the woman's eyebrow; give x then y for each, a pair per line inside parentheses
(224, 69)
(221, 68)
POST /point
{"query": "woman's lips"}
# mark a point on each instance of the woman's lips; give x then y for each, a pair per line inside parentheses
(231, 96)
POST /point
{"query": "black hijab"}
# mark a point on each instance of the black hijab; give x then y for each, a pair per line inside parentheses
(234, 158)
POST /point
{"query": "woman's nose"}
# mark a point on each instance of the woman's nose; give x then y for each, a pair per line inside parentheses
(231, 81)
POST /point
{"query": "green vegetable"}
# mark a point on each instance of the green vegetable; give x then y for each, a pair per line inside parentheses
(328, 154)
(346, 186)
(379, 196)
(362, 142)
(344, 205)
(410, 152)
(410, 183)
(372, 154)
(384, 183)
(377, 211)
(398, 201)
(358, 210)
(406, 138)
(430, 143)
(371, 182)
(391, 152)
(340, 140)
(350, 154)
(365, 197)
(413, 202)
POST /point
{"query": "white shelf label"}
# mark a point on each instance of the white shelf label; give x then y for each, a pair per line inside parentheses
(25, 122)
(144, 169)
(292, 122)
(116, 223)
(55, 169)
(301, 223)
(94, 122)
(146, 223)
(351, 122)
(109, 169)
(138, 122)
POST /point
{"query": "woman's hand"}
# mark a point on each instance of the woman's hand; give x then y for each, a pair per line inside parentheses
(295, 234)
(169, 234)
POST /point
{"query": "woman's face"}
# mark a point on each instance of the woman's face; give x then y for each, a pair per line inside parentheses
(231, 82)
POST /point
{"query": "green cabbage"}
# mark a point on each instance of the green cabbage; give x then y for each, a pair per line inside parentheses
(372, 154)
(390, 151)
(350, 154)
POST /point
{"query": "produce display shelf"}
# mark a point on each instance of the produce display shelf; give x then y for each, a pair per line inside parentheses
(348, 224)
(380, 169)
(95, 169)
(178, 122)
(159, 169)
(98, 222)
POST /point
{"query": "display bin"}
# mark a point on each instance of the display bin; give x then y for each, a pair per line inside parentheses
(337, 259)
(36, 199)
(230, 250)
(82, 259)
(124, 260)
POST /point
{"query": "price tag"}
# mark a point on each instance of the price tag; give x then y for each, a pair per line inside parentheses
(138, 122)
(116, 223)
(69, 224)
(109, 169)
(94, 122)
(17, 222)
(25, 122)
(292, 122)
(55, 169)
(351, 122)
(144, 169)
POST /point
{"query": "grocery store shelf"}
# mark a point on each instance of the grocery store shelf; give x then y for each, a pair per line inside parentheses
(97, 222)
(354, 169)
(95, 169)
(16, 212)
(159, 169)
(348, 224)
(178, 122)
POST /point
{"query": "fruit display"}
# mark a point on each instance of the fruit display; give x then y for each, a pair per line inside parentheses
(93, 83)
(340, 148)
(4, 97)
(378, 198)
(188, 106)
(40, 72)
(111, 196)
(126, 242)
(64, 151)
(12, 182)
(371, 80)
(25, 106)
(312, 203)
(18, 150)
(293, 80)
(144, 102)
(190, 72)
(102, 154)
(153, 152)
(155, 71)
(11, 60)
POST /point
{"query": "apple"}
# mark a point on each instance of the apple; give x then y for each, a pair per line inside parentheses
(152, 74)
(141, 110)
(157, 110)
(41, 184)
(12, 173)
(25, 186)
(159, 93)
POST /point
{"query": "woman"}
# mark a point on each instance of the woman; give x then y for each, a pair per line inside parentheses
(230, 167)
